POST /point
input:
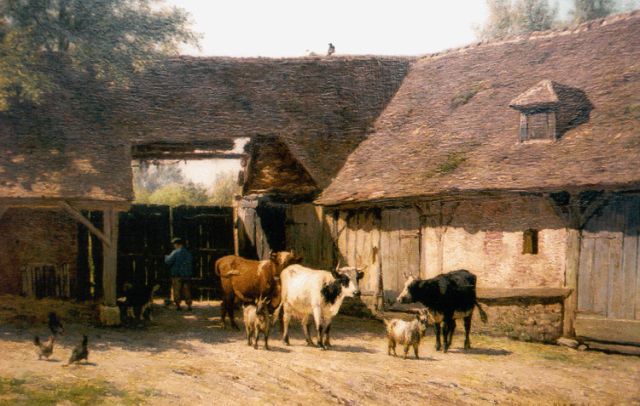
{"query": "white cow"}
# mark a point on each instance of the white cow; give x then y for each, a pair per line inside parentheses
(307, 292)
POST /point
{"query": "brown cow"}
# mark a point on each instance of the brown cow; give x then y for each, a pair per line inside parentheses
(245, 280)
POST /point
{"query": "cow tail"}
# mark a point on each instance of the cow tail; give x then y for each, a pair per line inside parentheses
(216, 268)
(483, 314)
(276, 314)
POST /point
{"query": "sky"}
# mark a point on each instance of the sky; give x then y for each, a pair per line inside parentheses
(285, 28)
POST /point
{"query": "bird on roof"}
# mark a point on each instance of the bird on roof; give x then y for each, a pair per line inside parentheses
(332, 49)
(55, 325)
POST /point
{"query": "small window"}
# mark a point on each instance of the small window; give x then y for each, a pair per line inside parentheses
(538, 126)
(530, 242)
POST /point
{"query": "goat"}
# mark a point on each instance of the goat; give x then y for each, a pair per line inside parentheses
(257, 319)
(406, 333)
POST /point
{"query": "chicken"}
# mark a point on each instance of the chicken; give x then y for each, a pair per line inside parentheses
(44, 349)
(54, 324)
(81, 352)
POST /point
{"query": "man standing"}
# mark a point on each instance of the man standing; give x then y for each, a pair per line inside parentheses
(180, 264)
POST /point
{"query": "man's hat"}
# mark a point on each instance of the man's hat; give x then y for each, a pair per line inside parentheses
(177, 240)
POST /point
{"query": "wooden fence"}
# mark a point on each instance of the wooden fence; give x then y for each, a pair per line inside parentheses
(46, 280)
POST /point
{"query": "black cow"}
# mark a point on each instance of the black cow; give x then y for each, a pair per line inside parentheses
(447, 297)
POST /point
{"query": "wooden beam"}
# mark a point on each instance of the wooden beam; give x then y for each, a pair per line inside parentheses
(610, 330)
(53, 203)
(73, 212)
(187, 155)
(110, 256)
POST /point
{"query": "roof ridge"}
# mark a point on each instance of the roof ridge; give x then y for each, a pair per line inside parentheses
(537, 35)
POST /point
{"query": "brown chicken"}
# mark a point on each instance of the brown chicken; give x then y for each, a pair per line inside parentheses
(44, 349)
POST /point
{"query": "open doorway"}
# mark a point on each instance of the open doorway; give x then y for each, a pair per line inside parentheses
(180, 191)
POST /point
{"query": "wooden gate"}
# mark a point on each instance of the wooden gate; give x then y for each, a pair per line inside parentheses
(145, 233)
(609, 274)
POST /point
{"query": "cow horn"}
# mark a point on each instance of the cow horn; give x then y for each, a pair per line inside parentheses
(338, 266)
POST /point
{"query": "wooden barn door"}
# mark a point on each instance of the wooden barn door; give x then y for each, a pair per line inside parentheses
(399, 249)
(145, 238)
(609, 275)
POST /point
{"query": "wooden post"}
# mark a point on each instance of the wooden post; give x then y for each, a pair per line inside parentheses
(576, 210)
(572, 264)
(236, 242)
(109, 313)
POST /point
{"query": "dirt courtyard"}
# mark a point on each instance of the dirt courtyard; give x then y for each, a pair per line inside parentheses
(186, 358)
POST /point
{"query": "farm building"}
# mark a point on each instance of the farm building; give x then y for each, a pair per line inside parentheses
(68, 160)
(518, 161)
(515, 160)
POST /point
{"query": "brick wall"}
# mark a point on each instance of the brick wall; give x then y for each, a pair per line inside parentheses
(34, 236)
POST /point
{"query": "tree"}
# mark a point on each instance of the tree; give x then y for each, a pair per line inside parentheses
(507, 18)
(534, 15)
(585, 10)
(151, 177)
(106, 40)
(224, 188)
(175, 195)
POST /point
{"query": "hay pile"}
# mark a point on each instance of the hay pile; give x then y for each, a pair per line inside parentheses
(26, 312)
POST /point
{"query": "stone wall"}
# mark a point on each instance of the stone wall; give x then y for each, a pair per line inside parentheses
(539, 321)
(35, 236)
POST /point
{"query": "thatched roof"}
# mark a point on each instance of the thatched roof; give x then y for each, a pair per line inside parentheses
(77, 145)
(62, 150)
(319, 107)
(450, 129)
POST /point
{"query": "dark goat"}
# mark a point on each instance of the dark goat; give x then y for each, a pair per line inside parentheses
(136, 302)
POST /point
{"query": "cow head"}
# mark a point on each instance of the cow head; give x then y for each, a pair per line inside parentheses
(349, 278)
(405, 296)
(283, 259)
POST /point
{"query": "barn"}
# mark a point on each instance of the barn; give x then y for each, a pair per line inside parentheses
(518, 161)
(66, 177)
(515, 160)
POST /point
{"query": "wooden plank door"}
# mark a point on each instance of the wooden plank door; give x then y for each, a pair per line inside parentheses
(399, 250)
(609, 274)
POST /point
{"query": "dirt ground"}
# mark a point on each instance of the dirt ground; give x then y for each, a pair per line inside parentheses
(186, 358)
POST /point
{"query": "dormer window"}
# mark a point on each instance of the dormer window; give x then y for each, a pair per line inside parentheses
(538, 107)
(549, 109)
(538, 125)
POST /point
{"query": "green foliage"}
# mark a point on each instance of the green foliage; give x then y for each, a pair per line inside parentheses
(106, 40)
(224, 188)
(148, 177)
(35, 392)
(176, 195)
(462, 97)
(454, 159)
(584, 10)
(507, 18)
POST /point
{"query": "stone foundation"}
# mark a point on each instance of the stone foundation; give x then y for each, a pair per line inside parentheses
(109, 315)
(541, 322)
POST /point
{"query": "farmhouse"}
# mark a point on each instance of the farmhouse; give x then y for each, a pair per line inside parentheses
(519, 161)
(515, 160)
